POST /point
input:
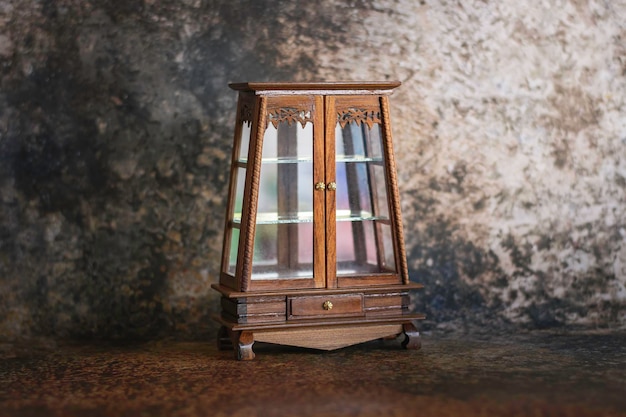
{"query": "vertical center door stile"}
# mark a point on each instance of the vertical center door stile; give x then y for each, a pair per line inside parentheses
(330, 121)
(320, 244)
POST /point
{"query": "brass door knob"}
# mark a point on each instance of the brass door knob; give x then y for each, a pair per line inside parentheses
(320, 186)
(332, 186)
(327, 305)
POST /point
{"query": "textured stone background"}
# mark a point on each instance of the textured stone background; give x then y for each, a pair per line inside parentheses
(116, 126)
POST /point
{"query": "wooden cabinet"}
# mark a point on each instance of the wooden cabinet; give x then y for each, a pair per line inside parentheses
(313, 249)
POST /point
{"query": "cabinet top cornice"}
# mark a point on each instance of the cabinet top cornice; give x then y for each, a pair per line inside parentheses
(332, 87)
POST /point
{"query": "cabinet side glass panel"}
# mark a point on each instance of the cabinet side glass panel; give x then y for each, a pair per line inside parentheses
(238, 206)
(239, 179)
(245, 140)
(235, 224)
(232, 256)
(283, 242)
(363, 239)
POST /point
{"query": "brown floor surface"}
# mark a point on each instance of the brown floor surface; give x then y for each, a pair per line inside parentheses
(536, 374)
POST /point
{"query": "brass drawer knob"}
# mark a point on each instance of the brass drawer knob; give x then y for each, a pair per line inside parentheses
(320, 186)
(327, 305)
(332, 186)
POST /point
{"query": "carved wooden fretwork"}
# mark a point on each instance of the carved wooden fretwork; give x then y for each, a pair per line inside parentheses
(358, 116)
(247, 110)
(289, 115)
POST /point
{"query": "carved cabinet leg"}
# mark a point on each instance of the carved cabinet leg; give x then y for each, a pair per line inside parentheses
(224, 342)
(243, 350)
(411, 337)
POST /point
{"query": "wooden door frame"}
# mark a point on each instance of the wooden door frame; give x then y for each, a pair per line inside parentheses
(252, 189)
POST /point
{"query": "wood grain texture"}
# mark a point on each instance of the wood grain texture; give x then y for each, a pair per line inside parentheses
(342, 305)
(229, 292)
(327, 322)
(412, 337)
(255, 310)
(251, 195)
(265, 285)
(243, 349)
(328, 85)
(330, 198)
(320, 219)
(386, 304)
(364, 280)
(328, 338)
(392, 191)
(385, 300)
(228, 281)
(243, 99)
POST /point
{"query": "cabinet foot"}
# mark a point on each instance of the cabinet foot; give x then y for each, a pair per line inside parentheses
(243, 350)
(411, 337)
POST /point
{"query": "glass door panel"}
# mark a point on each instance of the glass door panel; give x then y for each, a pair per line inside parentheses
(283, 243)
(285, 193)
(288, 143)
(283, 250)
(356, 257)
(361, 142)
(364, 242)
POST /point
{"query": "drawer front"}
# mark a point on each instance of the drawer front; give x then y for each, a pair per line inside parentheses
(343, 305)
(254, 310)
(386, 304)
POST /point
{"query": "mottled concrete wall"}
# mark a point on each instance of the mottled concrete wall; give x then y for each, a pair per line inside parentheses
(116, 127)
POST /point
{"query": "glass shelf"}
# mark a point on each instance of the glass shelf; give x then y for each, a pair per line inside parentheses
(274, 218)
(270, 272)
(307, 217)
(282, 160)
(348, 216)
(357, 158)
(289, 160)
(355, 268)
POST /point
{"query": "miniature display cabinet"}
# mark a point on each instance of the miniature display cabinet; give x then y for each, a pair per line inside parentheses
(313, 251)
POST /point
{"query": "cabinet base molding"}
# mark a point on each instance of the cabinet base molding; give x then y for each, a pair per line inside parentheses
(328, 338)
(241, 338)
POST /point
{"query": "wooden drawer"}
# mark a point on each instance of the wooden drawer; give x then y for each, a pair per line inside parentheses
(386, 304)
(254, 310)
(340, 305)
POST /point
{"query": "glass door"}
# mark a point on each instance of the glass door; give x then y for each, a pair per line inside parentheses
(288, 243)
(283, 242)
(363, 230)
